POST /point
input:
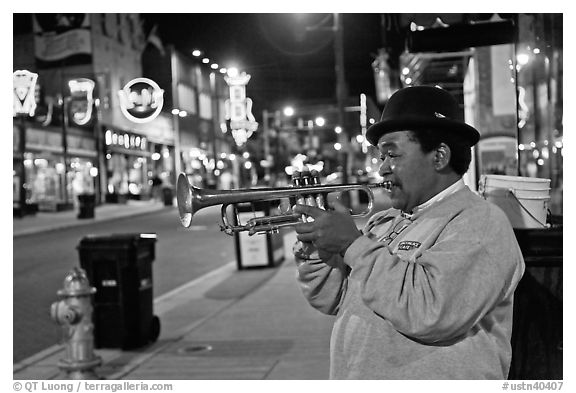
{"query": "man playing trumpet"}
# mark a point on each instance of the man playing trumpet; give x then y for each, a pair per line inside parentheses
(425, 289)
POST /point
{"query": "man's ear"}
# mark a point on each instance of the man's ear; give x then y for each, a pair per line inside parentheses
(442, 156)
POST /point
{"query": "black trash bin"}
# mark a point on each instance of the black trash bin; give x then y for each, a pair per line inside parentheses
(119, 266)
(168, 196)
(86, 205)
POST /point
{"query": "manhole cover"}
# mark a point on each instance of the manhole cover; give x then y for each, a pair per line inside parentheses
(193, 349)
(236, 348)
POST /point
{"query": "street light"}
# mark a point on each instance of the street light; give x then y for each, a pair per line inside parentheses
(288, 111)
(232, 72)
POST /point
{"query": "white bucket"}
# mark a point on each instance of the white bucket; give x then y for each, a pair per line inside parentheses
(523, 199)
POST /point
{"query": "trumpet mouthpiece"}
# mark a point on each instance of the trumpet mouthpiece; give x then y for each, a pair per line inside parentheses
(387, 185)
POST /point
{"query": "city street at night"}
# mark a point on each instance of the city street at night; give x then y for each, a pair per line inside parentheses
(175, 185)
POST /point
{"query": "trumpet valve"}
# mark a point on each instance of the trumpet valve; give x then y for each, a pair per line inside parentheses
(316, 182)
(226, 229)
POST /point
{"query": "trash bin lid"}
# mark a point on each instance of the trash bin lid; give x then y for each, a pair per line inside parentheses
(116, 238)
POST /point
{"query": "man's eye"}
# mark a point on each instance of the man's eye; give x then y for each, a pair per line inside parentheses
(388, 155)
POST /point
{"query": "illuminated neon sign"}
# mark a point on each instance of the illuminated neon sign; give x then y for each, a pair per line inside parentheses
(81, 100)
(141, 100)
(24, 86)
(239, 108)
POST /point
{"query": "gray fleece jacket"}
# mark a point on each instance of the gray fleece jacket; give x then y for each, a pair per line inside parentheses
(434, 302)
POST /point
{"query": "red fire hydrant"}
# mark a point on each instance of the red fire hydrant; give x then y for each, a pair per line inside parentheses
(74, 313)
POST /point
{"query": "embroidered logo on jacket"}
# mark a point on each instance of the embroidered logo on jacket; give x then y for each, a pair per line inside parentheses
(408, 245)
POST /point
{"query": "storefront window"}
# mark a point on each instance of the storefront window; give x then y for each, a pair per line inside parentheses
(137, 177)
(540, 76)
(45, 180)
(83, 174)
(130, 163)
(128, 175)
(117, 166)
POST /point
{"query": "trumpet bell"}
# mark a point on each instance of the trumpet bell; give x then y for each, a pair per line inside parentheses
(185, 199)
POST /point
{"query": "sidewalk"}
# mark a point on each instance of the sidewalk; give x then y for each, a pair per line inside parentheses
(45, 221)
(247, 324)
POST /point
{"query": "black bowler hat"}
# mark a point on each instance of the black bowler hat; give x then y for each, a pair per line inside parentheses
(421, 107)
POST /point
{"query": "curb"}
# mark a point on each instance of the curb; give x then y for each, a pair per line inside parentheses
(34, 231)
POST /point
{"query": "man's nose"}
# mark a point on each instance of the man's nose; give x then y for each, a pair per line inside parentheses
(385, 168)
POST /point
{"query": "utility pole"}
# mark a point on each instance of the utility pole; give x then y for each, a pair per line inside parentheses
(339, 68)
(337, 29)
(100, 149)
(265, 136)
(215, 122)
(22, 151)
(341, 93)
(175, 104)
(65, 148)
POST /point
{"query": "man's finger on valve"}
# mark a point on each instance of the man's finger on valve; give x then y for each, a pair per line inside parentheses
(309, 210)
(309, 237)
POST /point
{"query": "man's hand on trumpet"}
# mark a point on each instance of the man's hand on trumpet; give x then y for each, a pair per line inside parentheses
(332, 231)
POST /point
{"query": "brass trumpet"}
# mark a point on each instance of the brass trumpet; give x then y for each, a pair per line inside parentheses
(191, 199)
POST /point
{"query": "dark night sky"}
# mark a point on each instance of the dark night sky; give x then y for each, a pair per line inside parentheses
(286, 63)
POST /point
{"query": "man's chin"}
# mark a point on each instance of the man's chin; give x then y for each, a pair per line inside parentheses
(397, 204)
(398, 200)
